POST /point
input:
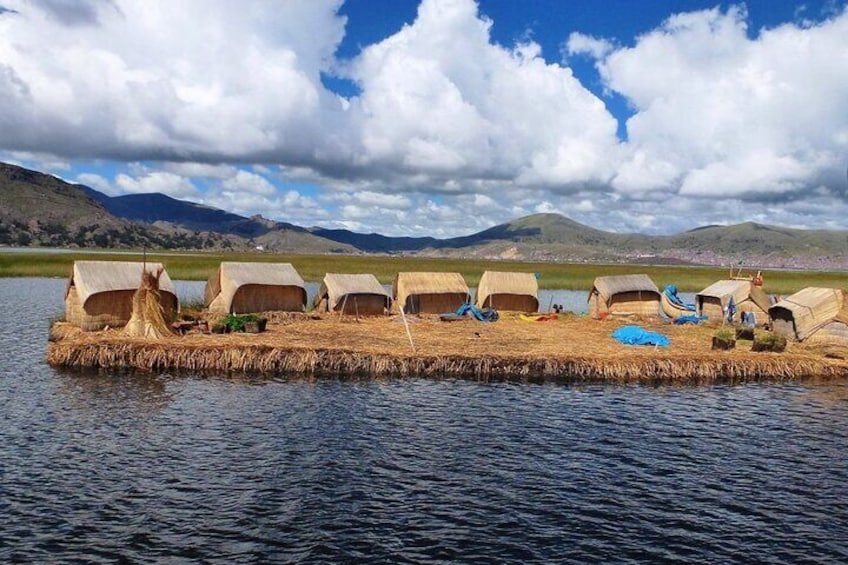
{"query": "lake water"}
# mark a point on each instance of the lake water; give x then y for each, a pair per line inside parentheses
(161, 468)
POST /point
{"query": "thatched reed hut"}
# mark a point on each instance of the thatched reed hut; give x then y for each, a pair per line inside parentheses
(517, 292)
(360, 295)
(714, 300)
(100, 293)
(812, 314)
(240, 288)
(624, 294)
(429, 293)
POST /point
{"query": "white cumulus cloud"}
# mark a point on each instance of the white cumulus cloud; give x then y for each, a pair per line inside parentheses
(157, 181)
(440, 99)
(721, 113)
(213, 79)
(582, 44)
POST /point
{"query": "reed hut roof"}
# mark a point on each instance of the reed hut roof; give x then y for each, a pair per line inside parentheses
(411, 283)
(611, 285)
(814, 307)
(336, 286)
(500, 282)
(739, 290)
(232, 275)
(94, 277)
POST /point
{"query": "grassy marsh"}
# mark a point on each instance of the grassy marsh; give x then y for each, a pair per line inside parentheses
(566, 276)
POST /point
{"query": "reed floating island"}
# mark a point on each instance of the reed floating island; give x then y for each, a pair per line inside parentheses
(343, 341)
(568, 349)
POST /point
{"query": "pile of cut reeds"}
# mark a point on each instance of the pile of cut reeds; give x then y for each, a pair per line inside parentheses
(148, 318)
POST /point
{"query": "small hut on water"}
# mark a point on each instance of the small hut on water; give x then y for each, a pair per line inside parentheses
(812, 314)
(100, 293)
(360, 295)
(714, 300)
(429, 293)
(517, 292)
(241, 288)
(624, 294)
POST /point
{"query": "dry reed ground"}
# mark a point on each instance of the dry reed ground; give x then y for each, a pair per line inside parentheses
(571, 348)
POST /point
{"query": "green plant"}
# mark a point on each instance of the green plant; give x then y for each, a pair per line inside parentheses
(770, 338)
(767, 341)
(725, 334)
(236, 323)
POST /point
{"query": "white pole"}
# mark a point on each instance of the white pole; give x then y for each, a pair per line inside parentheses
(341, 310)
(406, 325)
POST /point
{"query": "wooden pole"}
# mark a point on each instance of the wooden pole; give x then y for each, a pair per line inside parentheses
(341, 310)
(406, 325)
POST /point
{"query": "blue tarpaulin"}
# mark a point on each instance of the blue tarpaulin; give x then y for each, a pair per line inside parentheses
(484, 315)
(671, 293)
(689, 319)
(634, 335)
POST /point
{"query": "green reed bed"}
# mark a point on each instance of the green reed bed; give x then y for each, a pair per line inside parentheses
(565, 276)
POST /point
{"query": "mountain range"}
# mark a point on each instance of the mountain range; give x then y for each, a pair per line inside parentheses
(40, 209)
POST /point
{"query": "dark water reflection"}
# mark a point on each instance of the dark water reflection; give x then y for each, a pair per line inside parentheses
(179, 469)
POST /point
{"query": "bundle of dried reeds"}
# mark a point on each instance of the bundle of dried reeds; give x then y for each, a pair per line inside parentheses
(148, 318)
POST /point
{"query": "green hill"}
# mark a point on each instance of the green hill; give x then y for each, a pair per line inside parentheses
(39, 209)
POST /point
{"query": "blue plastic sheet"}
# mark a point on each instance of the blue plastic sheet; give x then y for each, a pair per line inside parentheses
(671, 293)
(689, 319)
(484, 315)
(634, 335)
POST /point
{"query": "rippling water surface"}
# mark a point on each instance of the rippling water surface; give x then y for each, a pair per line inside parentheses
(105, 468)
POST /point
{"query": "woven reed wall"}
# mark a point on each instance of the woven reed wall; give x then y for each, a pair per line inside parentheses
(835, 333)
(266, 298)
(512, 302)
(640, 303)
(362, 305)
(434, 303)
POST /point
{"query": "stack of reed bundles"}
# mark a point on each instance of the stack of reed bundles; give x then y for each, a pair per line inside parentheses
(147, 318)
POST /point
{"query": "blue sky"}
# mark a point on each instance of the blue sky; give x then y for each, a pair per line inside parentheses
(440, 117)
